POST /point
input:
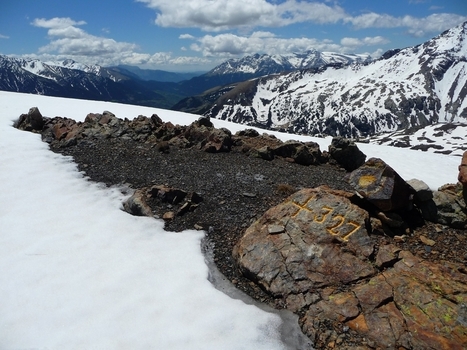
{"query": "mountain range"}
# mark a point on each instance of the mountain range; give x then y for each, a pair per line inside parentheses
(406, 88)
(152, 88)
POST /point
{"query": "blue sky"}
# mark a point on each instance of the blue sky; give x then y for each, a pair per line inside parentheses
(197, 35)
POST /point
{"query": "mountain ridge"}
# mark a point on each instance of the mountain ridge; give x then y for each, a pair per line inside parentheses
(411, 87)
(68, 78)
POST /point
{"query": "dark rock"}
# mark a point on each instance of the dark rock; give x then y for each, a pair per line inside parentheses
(33, 121)
(299, 152)
(204, 121)
(422, 191)
(346, 153)
(264, 152)
(248, 133)
(167, 194)
(378, 183)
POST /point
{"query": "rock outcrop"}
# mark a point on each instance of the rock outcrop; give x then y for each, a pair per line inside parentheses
(318, 252)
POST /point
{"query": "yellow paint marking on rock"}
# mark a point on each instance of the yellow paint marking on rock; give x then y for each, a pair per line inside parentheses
(366, 180)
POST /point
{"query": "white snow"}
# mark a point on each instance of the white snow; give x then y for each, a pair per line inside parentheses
(79, 273)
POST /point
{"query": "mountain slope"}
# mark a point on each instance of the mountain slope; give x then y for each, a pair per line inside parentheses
(71, 79)
(249, 67)
(412, 87)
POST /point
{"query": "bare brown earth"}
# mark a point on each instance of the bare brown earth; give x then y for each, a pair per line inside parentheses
(236, 190)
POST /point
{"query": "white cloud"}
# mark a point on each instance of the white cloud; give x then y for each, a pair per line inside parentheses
(4, 37)
(258, 42)
(226, 14)
(57, 22)
(67, 39)
(367, 41)
(434, 23)
(186, 36)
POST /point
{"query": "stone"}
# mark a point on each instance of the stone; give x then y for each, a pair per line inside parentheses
(170, 215)
(346, 153)
(204, 121)
(32, 121)
(380, 184)
(312, 240)
(248, 133)
(450, 206)
(167, 194)
(427, 241)
(137, 205)
(423, 193)
(264, 152)
(462, 177)
(299, 152)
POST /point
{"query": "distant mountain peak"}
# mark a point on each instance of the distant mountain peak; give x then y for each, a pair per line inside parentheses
(264, 64)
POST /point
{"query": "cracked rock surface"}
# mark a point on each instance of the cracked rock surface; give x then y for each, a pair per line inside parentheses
(326, 267)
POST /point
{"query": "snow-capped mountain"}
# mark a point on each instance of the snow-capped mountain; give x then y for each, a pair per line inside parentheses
(270, 64)
(412, 87)
(68, 78)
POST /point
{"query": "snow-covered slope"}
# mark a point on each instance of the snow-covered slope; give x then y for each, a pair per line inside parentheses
(443, 138)
(416, 86)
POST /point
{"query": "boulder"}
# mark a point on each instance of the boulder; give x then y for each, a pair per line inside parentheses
(314, 239)
(208, 139)
(380, 184)
(346, 153)
(314, 254)
(301, 153)
(32, 121)
(217, 140)
(264, 152)
(136, 204)
(247, 133)
(450, 206)
(422, 191)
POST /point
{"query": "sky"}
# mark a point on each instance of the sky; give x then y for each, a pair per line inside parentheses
(197, 35)
(76, 272)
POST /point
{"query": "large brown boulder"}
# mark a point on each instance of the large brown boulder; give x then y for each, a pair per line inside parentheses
(315, 239)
